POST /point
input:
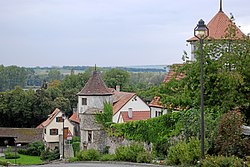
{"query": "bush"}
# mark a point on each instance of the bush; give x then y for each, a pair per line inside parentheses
(144, 157)
(218, 161)
(129, 153)
(184, 153)
(108, 157)
(50, 155)
(76, 147)
(88, 155)
(11, 155)
(229, 140)
(33, 149)
(3, 163)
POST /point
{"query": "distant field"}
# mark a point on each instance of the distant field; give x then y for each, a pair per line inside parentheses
(67, 70)
(62, 71)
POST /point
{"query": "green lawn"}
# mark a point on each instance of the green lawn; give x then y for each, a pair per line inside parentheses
(25, 160)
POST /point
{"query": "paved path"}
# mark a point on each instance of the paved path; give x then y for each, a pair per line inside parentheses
(98, 164)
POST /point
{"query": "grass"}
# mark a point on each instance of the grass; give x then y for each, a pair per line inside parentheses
(25, 160)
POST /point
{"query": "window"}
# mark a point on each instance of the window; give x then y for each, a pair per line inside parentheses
(90, 136)
(84, 101)
(158, 113)
(44, 131)
(53, 131)
(59, 119)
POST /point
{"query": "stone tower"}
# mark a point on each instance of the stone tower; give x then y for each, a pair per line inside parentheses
(91, 100)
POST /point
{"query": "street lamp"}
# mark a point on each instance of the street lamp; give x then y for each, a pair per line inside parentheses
(201, 32)
(63, 118)
(15, 147)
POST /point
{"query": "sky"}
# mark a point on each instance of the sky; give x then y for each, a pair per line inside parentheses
(105, 32)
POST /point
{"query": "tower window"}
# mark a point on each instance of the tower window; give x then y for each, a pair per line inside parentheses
(84, 101)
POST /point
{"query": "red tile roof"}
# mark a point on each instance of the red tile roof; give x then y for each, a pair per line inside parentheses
(95, 86)
(23, 135)
(156, 102)
(120, 99)
(218, 27)
(172, 73)
(51, 118)
(75, 118)
(136, 115)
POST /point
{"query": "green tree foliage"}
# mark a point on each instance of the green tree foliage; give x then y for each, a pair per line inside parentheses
(105, 118)
(12, 76)
(54, 75)
(115, 77)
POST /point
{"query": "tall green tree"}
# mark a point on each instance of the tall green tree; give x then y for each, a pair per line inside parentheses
(116, 77)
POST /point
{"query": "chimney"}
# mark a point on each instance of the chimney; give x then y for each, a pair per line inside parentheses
(117, 88)
(130, 113)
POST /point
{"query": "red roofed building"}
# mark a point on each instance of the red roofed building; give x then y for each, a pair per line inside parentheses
(125, 102)
(217, 29)
(127, 116)
(53, 129)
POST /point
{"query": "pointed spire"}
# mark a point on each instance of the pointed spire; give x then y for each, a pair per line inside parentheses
(221, 6)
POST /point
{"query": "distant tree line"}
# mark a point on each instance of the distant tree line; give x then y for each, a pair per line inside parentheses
(27, 108)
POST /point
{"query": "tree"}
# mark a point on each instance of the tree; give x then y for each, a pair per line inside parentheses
(54, 75)
(116, 77)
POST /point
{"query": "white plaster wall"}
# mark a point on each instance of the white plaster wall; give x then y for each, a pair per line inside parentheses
(136, 105)
(154, 109)
(93, 102)
(59, 126)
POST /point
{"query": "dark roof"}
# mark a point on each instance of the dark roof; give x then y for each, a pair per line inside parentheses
(218, 27)
(23, 135)
(95, 86)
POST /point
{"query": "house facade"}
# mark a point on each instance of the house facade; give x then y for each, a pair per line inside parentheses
(217, 26)
(53, 128)
(129, 103)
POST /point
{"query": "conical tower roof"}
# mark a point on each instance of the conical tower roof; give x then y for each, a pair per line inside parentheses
(95, 87)
(218, 27)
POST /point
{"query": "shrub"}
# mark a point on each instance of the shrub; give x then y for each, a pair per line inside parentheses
(88, 155)
(76, 147)
(144, 157)
(3, 163)
(50, 155)
(11, 155)
(108, 157)
(33, 149)
(229, 140)
(129, 153)
(184, 153)
(218, 161)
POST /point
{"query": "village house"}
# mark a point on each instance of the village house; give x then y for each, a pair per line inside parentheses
(128, 107)
(53, 128)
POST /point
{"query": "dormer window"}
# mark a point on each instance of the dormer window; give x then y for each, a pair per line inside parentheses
(84, 101)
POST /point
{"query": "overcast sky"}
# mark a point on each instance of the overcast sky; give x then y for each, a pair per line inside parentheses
(105, 32)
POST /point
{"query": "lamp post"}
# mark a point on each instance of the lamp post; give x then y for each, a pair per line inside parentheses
(15, 148)
(201, 32)
(63, 118)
